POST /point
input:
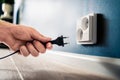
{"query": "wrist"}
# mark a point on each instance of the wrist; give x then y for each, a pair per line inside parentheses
(4, 30)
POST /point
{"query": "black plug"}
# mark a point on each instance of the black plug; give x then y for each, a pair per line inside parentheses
(59, 41)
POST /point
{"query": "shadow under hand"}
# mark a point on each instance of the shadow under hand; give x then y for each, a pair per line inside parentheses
(53, 75)
(113, 69)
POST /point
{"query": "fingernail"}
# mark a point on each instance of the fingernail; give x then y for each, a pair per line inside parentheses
(49, 46)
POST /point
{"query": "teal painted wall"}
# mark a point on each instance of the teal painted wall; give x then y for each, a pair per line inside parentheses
(56, 17)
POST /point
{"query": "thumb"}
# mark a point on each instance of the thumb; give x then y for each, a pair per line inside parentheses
(37, 36)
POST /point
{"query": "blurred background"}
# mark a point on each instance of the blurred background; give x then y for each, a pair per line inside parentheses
(59, 17)
(72, 62)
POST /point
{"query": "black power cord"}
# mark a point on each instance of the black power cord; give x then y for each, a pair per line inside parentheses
(59, 41)
(9, 54)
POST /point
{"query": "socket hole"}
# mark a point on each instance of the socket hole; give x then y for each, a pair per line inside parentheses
(84, 23)
(80, 34)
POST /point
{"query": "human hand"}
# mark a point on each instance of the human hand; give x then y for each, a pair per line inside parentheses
(25, 39)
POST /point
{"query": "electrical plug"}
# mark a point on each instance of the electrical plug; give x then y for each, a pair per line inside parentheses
(59, 41)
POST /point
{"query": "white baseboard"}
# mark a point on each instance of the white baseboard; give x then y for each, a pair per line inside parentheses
(115, 61)
(104, 66)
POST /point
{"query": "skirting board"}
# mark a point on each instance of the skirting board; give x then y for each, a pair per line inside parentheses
(104, 66)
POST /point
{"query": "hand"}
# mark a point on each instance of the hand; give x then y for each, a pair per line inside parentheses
(18, 37)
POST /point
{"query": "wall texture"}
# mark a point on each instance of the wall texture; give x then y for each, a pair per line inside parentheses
(59, 17)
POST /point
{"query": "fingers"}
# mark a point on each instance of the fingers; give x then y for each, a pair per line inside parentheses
(24, 51)
(49, 45)
(39, 46)
(32, 49)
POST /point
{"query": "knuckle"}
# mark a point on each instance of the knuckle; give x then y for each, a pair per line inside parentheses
(14, 47)
(35, 42)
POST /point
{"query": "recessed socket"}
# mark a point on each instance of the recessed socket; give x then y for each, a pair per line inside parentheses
(80, 32)
(86, 29)
(84, 23)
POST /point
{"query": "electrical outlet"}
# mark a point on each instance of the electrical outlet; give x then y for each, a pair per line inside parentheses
(87, 29)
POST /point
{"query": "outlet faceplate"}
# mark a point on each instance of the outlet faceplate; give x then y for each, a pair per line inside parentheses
(87, 29)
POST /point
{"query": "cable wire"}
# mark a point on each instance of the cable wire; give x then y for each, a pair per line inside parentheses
(9, 55)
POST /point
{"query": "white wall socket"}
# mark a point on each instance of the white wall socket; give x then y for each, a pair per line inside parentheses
(87, 29)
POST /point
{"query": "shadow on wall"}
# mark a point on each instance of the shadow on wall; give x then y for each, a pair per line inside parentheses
(102, 24)
(101, 30)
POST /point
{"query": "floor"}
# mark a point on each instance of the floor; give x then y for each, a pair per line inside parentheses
(45, 67)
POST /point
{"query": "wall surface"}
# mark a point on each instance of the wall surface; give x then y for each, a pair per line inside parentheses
(59, 17)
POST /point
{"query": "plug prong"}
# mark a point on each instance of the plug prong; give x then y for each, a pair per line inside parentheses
(66, 43)
(65, 37)
(59, 41)
(66, 40)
